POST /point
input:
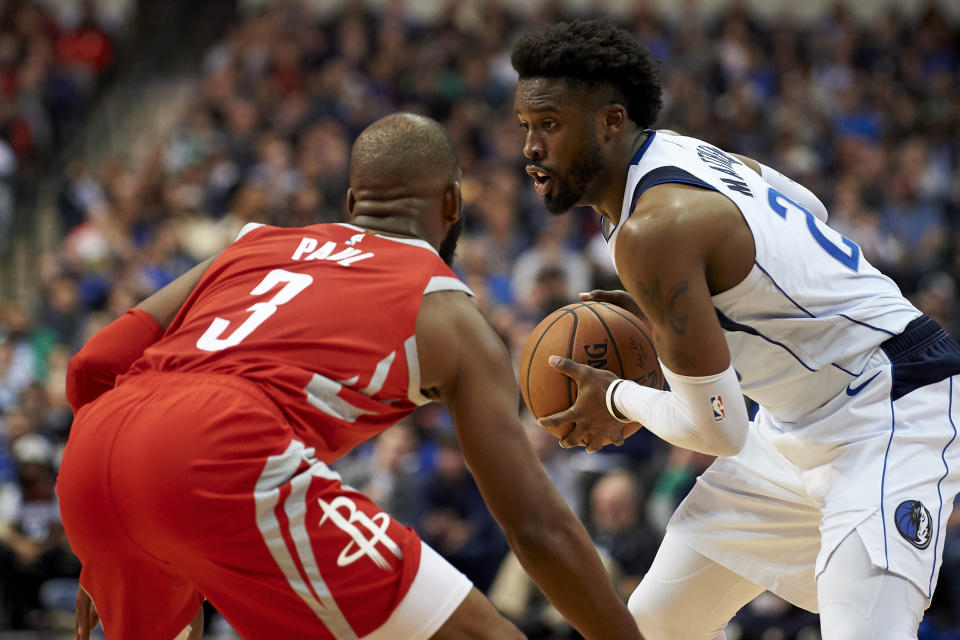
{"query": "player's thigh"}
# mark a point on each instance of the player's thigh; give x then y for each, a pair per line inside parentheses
(749, 513)
(687, 595)
(136, 593)
(305, 557)
(859, 601)
(477, 619)
(137, 597)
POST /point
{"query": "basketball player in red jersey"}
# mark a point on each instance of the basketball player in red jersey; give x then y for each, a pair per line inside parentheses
(206, 416)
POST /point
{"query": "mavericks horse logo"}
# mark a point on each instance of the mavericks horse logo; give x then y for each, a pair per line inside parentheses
(913, 523)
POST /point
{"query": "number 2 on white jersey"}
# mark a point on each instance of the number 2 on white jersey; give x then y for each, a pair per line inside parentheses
(848, 254)
(293, 284)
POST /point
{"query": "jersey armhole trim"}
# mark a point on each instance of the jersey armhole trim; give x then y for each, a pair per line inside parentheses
(413, 371)
(247, 228)
(446, 283)
(662, 175)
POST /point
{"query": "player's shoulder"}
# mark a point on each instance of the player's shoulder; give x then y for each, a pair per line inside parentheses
(673, 189)
(672, 207)
(450, 333)
(670, 147)
(448, 321)
(448, 309)
(248, 228)
(672, 221)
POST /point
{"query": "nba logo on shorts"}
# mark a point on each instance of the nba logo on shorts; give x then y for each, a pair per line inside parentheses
(717, 403)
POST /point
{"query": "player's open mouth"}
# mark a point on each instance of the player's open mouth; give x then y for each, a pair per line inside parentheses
(541, 179)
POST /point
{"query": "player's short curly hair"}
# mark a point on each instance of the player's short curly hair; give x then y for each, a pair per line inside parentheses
(594, 52)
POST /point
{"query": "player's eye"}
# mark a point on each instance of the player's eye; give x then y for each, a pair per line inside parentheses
(549, 124)
(524, 126)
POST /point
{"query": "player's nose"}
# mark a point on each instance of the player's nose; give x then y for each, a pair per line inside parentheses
(533, 146)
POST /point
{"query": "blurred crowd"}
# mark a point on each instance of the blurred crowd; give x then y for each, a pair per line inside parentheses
(867, 115)
(54, 59)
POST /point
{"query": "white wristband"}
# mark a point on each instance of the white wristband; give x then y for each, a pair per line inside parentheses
(610, 407)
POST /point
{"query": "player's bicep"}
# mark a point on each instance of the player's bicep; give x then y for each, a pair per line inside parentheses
(663, 268)
(482, 399)
(477, 384)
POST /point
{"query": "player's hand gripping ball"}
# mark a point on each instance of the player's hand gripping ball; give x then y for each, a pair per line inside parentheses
(597, 334)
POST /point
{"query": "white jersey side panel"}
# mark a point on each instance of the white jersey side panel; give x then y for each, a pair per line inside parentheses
(804, 321)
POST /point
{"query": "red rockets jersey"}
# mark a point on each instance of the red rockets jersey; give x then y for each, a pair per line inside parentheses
(322, 318)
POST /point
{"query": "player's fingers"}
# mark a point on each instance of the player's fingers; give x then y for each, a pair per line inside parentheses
(576, 437)
(567, 367)
(606, 295)
(600, 295)
(593, 447)
(557, 419)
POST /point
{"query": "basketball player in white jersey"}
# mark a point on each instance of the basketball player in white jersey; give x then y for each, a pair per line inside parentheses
(836, 495)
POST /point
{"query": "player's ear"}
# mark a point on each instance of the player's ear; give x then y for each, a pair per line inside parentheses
(614, 119)
(452, 202)
(351, 202)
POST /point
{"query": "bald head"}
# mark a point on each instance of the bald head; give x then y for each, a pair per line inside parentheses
(403, 153)
(405, 179)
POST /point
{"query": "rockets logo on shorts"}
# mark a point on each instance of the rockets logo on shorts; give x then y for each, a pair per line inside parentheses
(913, 523)
(377, 526)
(717, 403)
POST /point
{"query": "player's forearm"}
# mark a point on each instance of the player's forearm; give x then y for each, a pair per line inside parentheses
(704, 413)
(112, 350)
(109, 353)
(559, 556)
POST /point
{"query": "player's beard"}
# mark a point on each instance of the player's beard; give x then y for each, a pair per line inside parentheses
(568, 189)
(448, 247)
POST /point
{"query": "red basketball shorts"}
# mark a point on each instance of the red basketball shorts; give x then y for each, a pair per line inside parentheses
(180, 487)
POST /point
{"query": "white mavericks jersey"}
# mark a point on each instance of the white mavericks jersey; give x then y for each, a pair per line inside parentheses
(812, 310)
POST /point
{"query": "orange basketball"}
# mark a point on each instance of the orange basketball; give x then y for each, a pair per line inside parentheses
(598, 334)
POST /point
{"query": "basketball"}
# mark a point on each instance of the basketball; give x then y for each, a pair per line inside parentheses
(597, 334)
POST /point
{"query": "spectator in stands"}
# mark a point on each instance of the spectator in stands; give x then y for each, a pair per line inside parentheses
(390, 474)
(618, 528)
(455, 521)
(33, 547)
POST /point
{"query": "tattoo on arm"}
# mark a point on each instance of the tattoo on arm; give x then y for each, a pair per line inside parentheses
(677, 357)
(662, 305)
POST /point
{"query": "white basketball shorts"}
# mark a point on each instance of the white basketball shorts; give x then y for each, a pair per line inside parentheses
(881, 458)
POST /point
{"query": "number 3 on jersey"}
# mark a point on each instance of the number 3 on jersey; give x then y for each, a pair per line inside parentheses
(849, 258)
(293, 284)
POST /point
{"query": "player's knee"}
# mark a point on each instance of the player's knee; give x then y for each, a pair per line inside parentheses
(649, 614)
(477, 619)
(842, 627)
(859, 601)
(884, 618)
(845, 622)
(668, 617)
